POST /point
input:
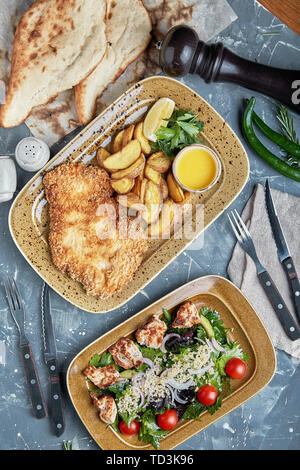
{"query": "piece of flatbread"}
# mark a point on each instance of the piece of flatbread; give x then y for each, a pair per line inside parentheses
(128, 31)
(57, 44)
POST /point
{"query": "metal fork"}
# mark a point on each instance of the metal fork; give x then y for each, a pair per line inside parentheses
(16, 307)
(245, 240)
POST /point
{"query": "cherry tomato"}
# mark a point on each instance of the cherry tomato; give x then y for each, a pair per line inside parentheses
(235, 368)
(207, 395)
(167, 420)
(130, 430)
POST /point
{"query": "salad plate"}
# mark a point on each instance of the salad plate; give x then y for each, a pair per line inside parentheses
(216, 293)
(29, 214)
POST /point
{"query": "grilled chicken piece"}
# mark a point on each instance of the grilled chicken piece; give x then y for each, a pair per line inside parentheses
(126, 354)
(187, 316)
(107, 407)
(152, 333)
(102, 377)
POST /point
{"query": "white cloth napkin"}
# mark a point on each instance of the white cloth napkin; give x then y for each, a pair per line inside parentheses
(242, 271)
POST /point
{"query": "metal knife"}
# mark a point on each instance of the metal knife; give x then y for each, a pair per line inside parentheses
(56, 408)
(283, 250)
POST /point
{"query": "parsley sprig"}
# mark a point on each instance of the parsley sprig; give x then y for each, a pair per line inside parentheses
(182, 130)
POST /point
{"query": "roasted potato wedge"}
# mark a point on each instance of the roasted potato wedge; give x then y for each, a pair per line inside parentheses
(137, 184)
(118, 141)
(132, 171)
(139, 135)
(175, 191)
(152, 202)
(122, 186)
(163, 226)
(127, 135)
(159, 162)
(164, 188)
(130, 200)
(124, 158)
(152, 175)
(101, 155)
(187, 197)
(143, 190)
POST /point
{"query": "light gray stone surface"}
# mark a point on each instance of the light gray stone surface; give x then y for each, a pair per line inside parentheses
(270, 420)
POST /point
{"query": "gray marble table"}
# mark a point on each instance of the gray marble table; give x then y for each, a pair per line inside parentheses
(270, 420)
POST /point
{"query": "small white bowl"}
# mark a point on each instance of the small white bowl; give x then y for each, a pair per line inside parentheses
(215, 157)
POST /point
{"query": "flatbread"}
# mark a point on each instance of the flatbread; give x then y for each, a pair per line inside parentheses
(128, 30)
(57, 44)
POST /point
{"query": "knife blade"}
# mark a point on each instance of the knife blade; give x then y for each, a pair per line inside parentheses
(282, 249)
(56, 408)
(281, 244)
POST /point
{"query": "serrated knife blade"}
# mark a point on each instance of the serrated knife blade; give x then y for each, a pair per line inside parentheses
(56, 408)
(281, 244)
(47, 326)
(283, 250)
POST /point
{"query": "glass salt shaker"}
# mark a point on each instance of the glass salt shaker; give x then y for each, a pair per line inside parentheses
(8, 178)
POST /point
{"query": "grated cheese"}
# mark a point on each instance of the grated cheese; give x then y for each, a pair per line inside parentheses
(129, 403)
(154, 382)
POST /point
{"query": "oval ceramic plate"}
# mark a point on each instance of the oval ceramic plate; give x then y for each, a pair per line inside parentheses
(28, 219)
(236, 312)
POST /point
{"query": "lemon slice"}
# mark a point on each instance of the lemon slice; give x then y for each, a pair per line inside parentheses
(162, 109)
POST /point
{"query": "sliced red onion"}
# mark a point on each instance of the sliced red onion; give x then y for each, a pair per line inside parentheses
(202, 370)
(172, 394)
(148, 361)
(142, 396)
(217, 346)
(209, 344)
(136, 377)
(178, 385)
(200, 340)
(178, 399)
(166, 338)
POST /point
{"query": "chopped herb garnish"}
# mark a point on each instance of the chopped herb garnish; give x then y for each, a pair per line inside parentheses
(182, 130)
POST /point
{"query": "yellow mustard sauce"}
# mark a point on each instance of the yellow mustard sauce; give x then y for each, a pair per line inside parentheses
(196, 168)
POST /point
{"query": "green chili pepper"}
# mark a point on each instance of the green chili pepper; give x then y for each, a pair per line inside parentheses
(283, 142)
(274, 161)
(167, 314)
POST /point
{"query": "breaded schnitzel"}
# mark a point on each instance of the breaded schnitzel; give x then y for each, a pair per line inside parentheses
(75, 193)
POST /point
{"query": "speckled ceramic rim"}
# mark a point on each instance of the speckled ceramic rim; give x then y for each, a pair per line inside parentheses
(212, 153)
(128, 108)
(235, 311)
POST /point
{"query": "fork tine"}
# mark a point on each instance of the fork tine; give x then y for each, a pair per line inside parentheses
(242, 223)
(13, 294)
(17, 294)
(238, 227)
(9, 295)
(234, 229)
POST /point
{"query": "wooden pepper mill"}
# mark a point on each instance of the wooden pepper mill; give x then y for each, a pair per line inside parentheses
(181, 52)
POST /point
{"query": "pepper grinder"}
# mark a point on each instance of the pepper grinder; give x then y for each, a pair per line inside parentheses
(181, 52)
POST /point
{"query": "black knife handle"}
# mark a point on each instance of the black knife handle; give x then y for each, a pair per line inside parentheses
(56, 408)
(33, 381)
(290, 327)
(294, 283)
